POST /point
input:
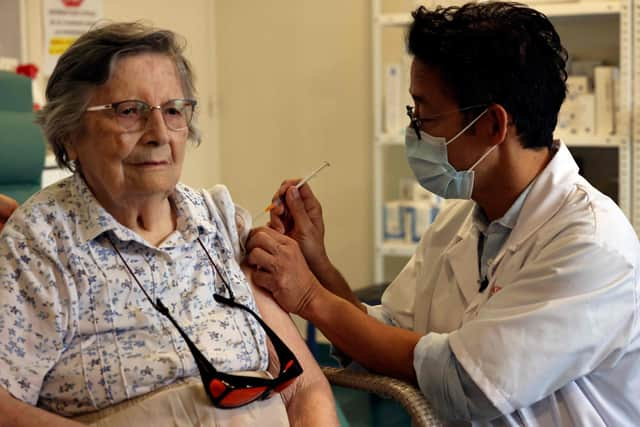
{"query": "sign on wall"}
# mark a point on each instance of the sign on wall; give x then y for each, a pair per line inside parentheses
(64, 22)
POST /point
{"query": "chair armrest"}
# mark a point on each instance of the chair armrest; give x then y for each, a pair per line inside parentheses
(408, 396)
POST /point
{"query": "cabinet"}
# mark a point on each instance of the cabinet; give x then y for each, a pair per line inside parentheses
(590, 30)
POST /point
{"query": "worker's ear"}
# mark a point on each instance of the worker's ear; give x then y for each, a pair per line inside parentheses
(496, 124)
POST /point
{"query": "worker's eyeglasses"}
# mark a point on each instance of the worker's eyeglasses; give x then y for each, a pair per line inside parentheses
(417, 123)
(132, 115)
(228, 391)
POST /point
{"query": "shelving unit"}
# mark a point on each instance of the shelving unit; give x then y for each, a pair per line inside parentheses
(635, 146)
(625, 15)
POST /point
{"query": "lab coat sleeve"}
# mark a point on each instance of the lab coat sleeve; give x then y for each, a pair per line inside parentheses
(398, 300)
(453, 394)
(568, 309)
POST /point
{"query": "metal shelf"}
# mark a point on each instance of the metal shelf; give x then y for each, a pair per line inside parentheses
(627, 141)
(563, 9)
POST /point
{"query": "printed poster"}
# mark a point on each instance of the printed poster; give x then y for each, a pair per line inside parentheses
(64, 22)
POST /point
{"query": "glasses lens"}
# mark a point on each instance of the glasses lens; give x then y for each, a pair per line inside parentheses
(177, 114)
(130, 114)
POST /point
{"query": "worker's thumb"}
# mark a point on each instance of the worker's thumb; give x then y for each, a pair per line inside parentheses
(296, 209)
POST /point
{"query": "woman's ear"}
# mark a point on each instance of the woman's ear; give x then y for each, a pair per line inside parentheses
(72, 153)
(498, 123)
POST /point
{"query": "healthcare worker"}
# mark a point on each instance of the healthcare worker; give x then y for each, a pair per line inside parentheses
(520, 304)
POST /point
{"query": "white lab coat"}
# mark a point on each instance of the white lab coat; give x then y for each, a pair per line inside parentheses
(554, 340)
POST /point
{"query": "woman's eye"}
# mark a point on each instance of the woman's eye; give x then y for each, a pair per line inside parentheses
(129, 110)
(172, 111)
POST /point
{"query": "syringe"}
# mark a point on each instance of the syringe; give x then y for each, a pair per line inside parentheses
(280, 200)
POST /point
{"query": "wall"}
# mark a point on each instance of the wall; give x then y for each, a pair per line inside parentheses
(201, 167)
(295, 89)
(10, 29)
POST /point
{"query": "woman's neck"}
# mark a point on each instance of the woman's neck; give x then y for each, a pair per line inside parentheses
(153, 218)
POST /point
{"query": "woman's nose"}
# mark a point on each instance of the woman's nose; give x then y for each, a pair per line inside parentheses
(156, 126)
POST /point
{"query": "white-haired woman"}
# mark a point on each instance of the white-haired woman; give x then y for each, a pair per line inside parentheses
(122, 291)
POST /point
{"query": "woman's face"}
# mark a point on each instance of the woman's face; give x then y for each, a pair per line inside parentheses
(119, 165)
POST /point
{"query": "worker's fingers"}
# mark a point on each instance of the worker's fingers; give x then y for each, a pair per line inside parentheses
(297, 209)
(261, 260)
(7, 206)
(266, 238)
(263, 279)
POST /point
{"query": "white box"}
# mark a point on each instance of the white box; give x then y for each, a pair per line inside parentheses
(418, 214)
(393, 221)
(393, 108)
(577, 115)
(583, 67)
(603, 80)
(577, 85)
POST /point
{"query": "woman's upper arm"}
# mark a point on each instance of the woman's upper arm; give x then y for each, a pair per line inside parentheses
(309, 399)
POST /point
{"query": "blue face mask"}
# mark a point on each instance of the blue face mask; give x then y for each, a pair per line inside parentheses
(428, 160)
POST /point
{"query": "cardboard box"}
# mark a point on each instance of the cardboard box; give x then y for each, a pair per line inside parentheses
(577, 115)
(577, 85)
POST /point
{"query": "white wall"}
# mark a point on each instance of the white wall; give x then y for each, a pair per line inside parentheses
(294, 82)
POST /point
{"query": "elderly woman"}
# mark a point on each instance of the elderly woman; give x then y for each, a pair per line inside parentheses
(121, 288)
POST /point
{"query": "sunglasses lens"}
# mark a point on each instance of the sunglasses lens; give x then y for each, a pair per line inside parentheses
(242, 396)
(216, 387)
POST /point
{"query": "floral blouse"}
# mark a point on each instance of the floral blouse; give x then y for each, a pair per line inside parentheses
(77, 333)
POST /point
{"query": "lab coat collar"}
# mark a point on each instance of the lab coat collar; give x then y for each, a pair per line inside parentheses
(462, 256)
(545, 198)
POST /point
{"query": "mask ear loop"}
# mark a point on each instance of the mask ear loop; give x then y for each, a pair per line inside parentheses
(482, 158)
(464, 129)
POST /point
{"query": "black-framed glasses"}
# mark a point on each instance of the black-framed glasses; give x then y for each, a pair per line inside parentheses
(227, 391)
(417, 123)
(132, 114)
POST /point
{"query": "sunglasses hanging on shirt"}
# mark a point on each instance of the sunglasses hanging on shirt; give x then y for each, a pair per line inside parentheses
(227, 391)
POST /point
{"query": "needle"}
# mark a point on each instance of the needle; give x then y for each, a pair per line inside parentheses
(280, 200)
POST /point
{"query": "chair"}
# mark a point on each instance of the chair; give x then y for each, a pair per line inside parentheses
(22, 147)
(408, 396)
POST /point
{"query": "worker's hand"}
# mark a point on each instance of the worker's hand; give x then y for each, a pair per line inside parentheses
(300, 217)
(280, 268)
(7, 206)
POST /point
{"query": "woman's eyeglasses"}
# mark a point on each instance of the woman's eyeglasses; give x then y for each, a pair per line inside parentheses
(132, 115)
(228, 391)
